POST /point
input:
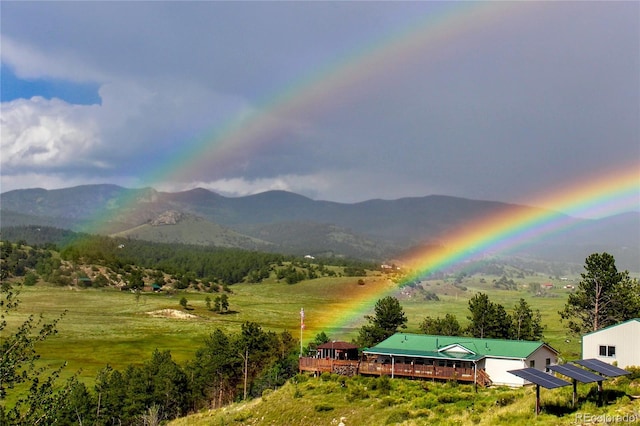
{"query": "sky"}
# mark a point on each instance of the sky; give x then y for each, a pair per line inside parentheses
(339, 101)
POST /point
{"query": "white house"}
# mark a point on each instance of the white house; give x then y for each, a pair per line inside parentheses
(618, 343)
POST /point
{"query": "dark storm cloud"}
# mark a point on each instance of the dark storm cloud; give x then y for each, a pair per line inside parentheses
(543, 94)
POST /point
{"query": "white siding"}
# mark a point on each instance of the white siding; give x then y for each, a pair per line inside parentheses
(625, 337)
(497, 369)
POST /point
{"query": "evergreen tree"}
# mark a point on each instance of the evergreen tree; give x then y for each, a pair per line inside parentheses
(488, 319)
(312, 347)
(224, 302)
(527, 324)
(447, 326)
(183, 302)
(215, 371)
(388, 318)
(604, 296)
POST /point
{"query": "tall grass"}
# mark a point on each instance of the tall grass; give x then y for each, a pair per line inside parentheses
(379, 401)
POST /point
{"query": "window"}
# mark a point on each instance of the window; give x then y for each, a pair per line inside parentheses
(607, 351)
(532, 363)
(547, 363)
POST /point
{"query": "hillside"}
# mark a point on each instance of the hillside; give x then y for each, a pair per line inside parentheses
(383, 401)
(175, 227)
(133, 331)
(291, 223)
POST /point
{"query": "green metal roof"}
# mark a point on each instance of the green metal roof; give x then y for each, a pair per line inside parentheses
(450, 347)
(423, 354)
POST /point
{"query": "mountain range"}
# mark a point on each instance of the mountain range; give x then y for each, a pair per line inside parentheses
(291, 223)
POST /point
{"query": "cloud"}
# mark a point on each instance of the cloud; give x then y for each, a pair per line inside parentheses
(240, 186)
(40, 134)
(237, 97)
(31, 61)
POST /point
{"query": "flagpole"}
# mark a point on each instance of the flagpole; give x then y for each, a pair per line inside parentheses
(301, 328)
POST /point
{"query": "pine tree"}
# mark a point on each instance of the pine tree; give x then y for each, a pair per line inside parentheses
(604, 296)
(488, 319)
(527, 324)
(388, 318)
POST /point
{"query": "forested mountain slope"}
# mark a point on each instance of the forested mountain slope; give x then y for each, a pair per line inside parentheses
(291, 223)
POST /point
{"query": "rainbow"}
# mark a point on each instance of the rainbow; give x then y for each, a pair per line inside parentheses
(430, 36)
(508, 229)
(259, 128)
(346, 78)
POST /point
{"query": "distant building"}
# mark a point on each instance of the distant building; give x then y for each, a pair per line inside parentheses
(619, 343)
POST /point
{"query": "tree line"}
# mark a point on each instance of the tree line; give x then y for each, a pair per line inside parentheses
(187, 265)
(487, 320)
(604, 297)
(226, 368)
(229, 367)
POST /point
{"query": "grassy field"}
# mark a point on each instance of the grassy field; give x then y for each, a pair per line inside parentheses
(112, 327)
(382, 401)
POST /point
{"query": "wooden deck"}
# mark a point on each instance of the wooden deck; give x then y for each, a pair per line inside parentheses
(349, 368)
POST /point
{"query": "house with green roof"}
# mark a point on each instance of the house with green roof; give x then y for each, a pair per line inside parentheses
(460, 357)
(619, 343)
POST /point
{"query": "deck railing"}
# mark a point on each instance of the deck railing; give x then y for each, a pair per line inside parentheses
(321, 365)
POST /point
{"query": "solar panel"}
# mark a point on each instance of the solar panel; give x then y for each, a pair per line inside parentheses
(576, 373)
(601, 367)
(539, 378)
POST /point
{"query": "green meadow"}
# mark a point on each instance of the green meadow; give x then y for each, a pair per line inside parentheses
(110, 327)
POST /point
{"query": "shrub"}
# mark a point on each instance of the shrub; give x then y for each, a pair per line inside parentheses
(387, 401)
(242, 417)
(428, 401)
(322, 407)
(382, 384)
(30, 279)
(398, 417)
(300, 378)
(357, 393)
(505, 400)
(448, 398)
(635, 372)
(422, 414)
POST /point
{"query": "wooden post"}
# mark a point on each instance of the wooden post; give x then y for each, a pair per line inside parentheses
(600, 394)
(537, 399)
(575, 392)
